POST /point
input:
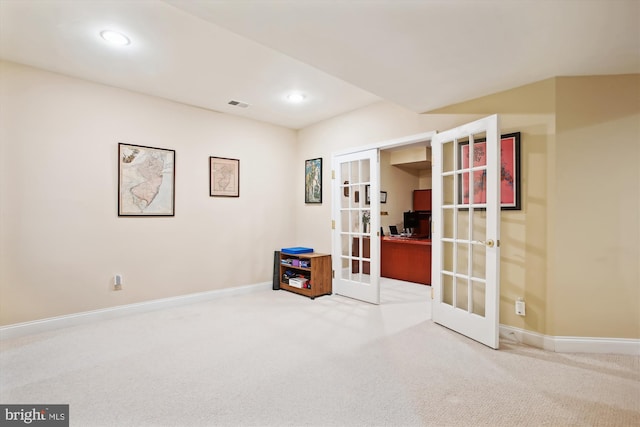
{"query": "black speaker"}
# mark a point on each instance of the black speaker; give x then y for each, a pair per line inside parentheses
(276, 270)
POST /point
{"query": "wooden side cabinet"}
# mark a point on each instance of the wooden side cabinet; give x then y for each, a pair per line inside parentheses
(312, 272)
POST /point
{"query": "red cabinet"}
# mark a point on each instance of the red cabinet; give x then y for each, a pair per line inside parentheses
(421, 200)
(422, 204)
(406, 259)
(401, 258)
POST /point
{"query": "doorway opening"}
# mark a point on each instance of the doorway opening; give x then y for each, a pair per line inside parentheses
(362, 205)
(465, 228)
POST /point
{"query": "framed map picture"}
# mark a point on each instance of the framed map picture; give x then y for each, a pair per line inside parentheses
(146, 181)
(224, 177)
(313, 181)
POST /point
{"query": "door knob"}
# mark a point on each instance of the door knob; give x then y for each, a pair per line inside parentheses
(489, 243)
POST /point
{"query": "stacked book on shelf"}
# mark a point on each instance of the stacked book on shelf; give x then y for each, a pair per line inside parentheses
(304, 263)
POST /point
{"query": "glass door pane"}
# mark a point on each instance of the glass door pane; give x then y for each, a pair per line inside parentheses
(466, 229)
(357, 269)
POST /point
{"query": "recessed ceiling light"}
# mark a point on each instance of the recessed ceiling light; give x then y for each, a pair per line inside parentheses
(296, 97)
(115, 37)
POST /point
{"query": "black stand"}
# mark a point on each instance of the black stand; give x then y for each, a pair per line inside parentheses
(276, 270)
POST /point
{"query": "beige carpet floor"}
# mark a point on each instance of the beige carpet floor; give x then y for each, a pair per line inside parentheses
(273, 358)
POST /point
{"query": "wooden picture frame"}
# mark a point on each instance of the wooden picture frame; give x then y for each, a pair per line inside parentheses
(367, 200)
(224, 177)
(510, 197)
(146, 181)
(313, 181)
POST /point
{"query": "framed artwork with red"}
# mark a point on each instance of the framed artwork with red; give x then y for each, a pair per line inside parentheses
(510, 198)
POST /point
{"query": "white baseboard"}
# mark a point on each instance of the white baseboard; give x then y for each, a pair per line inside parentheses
(52, 323)
(572, 344)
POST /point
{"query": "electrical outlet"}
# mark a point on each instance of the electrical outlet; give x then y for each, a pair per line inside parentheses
(520, 307)
(117, 282)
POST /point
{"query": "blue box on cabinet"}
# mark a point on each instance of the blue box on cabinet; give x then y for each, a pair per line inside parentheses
(296, 250)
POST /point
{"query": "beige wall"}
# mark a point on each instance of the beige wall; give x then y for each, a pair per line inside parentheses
(545, 247)
(524, 234)
(597, 221)
(425, 179)
(61, 240)
(399, 184)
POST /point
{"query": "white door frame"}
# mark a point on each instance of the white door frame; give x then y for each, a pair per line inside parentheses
(391, 143)
(375, 202)
(354, 274)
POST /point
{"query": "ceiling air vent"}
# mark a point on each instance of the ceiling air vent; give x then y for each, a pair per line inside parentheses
(239, 103)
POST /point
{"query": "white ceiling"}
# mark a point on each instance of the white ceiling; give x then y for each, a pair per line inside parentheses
(343, 54)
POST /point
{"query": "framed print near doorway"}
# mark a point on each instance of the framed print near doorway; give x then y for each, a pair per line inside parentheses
(510, 196)
(313, 181)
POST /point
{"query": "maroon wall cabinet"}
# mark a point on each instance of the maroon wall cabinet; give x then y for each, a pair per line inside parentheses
(421, 200)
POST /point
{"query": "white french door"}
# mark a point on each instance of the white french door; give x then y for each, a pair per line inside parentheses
(466, 229)
(356, 194)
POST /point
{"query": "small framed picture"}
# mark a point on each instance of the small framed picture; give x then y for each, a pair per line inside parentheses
(313, 181)
(367, 200)
(224, 177)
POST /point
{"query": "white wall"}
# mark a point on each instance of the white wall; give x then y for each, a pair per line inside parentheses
(61, 240)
